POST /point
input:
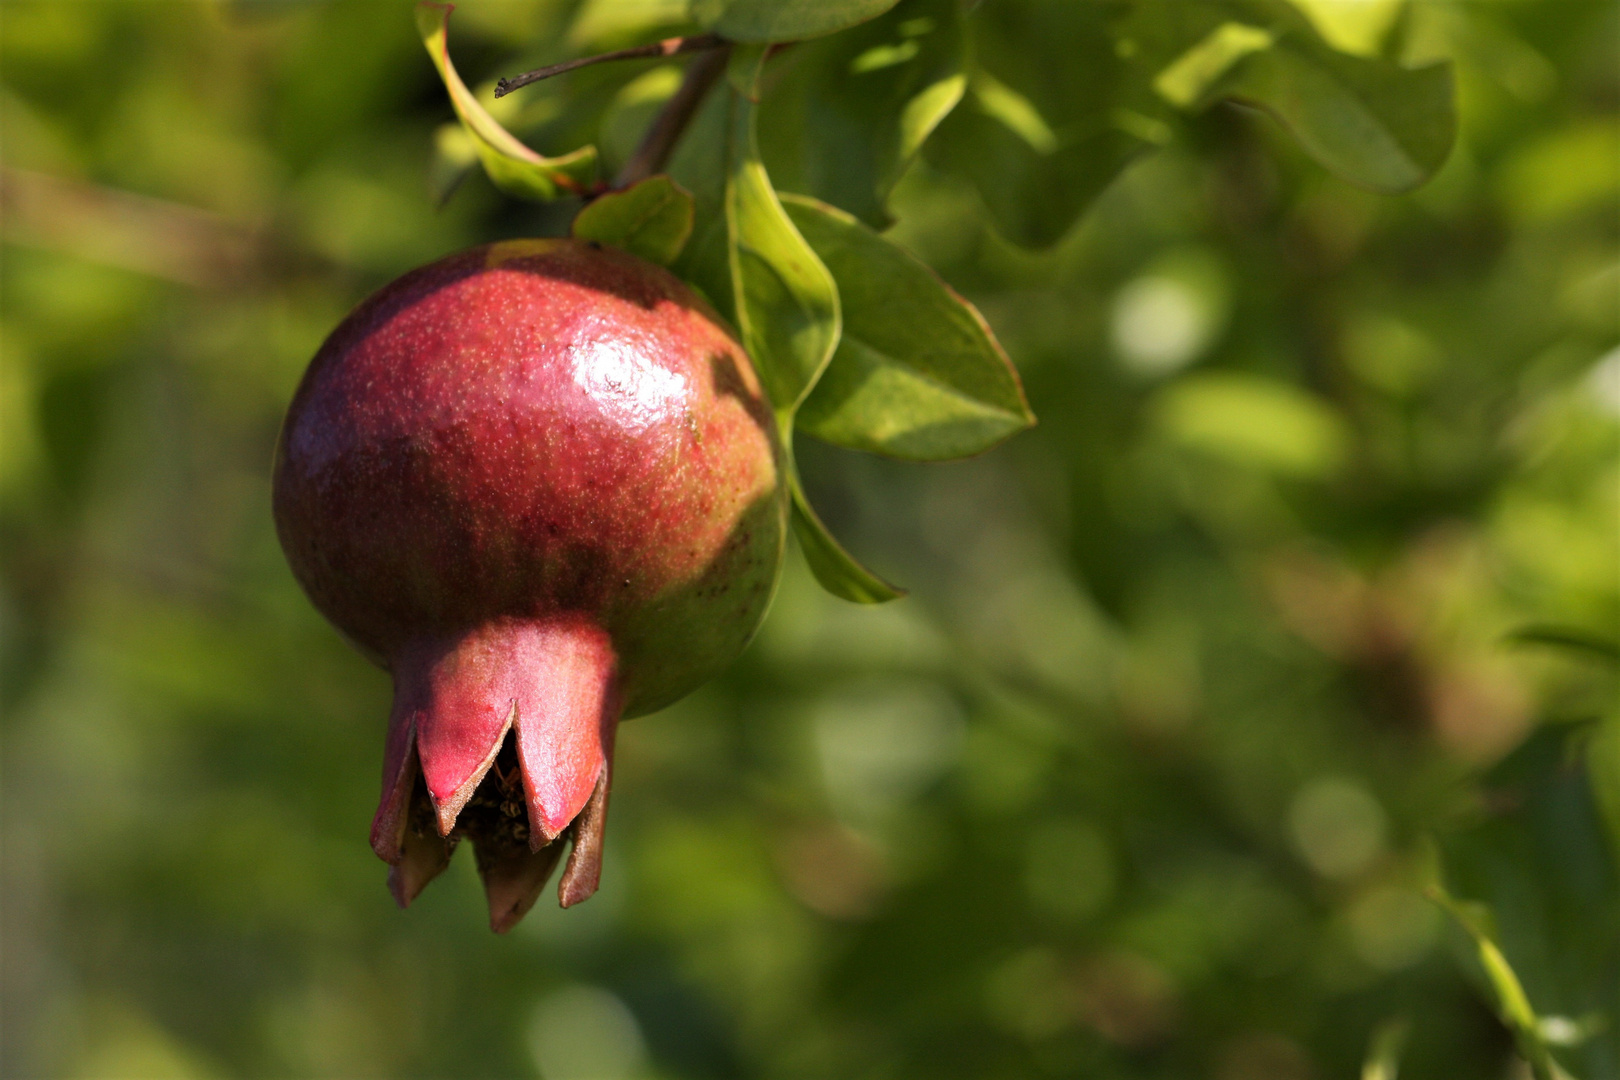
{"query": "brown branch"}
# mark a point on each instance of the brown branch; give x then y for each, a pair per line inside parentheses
(668, 47)
(666, 130)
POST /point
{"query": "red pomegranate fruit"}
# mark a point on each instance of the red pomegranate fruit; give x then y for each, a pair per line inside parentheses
(537, 482)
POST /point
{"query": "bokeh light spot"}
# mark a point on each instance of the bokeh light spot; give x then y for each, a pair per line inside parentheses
(1338, 826)
(585, 1033)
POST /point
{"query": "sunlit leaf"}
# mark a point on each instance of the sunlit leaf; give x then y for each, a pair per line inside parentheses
(917, 374)
(786, 302)
(653, 219)
(852, 110)
(783, 20)
(836, 569)
(1384, 1050)
(1512, 1004)
(1190, 78)
(1534, 868)
(512, 166)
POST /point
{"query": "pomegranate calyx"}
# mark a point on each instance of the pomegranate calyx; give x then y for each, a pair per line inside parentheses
(502, 734)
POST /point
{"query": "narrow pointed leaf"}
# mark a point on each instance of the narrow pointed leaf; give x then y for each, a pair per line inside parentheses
(835, 568)
(1512, 1003)
(512, 166)
(653, 219)
(917, 374)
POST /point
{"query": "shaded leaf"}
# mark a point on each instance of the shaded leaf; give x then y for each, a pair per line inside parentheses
(653, 219)
(783, 20)
(1542, 862)
(699, 165)
(853, 110)
(917, 373)
(1603, 771)
(512, 166)
(835, 568)
(1040, 132)
(1370, 122)
(1573, 638)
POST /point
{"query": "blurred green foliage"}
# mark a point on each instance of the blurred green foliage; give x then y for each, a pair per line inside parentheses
(1303, 598)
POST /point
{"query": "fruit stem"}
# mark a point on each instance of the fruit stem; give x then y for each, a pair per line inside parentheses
(667, 128)
(668, 47)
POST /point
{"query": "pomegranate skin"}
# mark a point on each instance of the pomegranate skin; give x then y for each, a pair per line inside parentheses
(538, 482)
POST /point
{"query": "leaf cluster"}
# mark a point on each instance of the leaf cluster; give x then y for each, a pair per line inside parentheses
(1039, 106)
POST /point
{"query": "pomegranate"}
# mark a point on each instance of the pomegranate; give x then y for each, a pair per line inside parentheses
(537, 482)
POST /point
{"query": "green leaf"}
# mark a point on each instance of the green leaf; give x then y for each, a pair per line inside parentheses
(653, 219)
(1384, 1050)
(835, 568)
(851, 111)
(512, 166)
(1513, 1004)
(783, 20)
(786, 303)
(917, 374)
(1370, 122)
(699, 166)
(1603, 772)
(1041, 131)
(1575, 639)
(1188, 81)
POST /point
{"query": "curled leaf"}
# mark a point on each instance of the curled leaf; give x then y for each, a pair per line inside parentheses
(786, 302)
(512, 166)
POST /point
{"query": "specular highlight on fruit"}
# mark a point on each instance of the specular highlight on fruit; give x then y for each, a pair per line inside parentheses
(538, 482)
